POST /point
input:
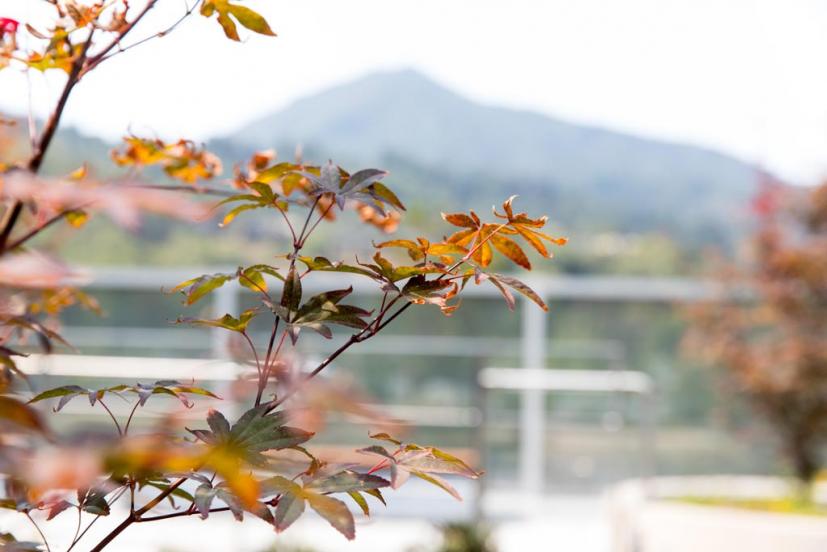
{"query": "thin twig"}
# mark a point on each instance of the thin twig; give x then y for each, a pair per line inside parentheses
(202, 190)
(181, 514)
(42, 536)
(35, 231)
(129, 420)
(97, 517)
(122, 49)
(253, 348)
(302, 238)
(287, 220)
(114, 419)
(95, 60)
(321, 218)
(262, 382)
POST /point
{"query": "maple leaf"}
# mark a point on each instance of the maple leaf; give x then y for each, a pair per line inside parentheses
(527, 228)
(245, 16)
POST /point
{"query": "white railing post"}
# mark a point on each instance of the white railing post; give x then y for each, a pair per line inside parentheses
(225, 301)
(532, 402)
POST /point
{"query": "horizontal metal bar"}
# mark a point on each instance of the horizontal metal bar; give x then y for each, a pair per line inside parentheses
(408, 345)
(115, 367)
(591, 288)
(520, 379)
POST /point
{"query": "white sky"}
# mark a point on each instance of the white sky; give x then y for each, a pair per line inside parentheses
(743, 76)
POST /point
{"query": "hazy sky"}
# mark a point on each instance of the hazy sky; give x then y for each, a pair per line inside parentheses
(743, 76)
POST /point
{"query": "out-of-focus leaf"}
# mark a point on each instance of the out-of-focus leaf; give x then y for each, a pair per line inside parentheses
(93, 501)
(385, 271)
(203, 498)
(245, 16)
(289, 508)
(66, 392)
(439, 482)
(11, 544)
(181, 160)
(144, 391)
(76, 217)
(360, 501)
(218, 423)
(419, 249)
(252, 277)
(123, 203)
(324, 265)
(292, 294)
(385, 437)
(228, 321)
(518, 286)
(335, 512)
(346, 481)
(420, 291)
(16, 412)
(168, 387)
(292, 504)
(250, 19)
(197, 288)
(423, 462)
(56, 507)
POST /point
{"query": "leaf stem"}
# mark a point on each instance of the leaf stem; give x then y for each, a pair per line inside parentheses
(255, 353)
(320, 219)
(42, 536)
(114, 419)
(188, 512)
(131, 414)
(95, 60)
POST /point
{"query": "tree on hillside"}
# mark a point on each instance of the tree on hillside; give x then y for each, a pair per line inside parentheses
(771, 330)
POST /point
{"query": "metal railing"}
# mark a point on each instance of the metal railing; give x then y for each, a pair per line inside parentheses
(532, 381)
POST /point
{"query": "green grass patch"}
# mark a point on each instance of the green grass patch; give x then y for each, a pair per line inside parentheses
(782, 505)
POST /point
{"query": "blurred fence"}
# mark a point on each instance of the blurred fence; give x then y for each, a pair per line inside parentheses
(427, 369)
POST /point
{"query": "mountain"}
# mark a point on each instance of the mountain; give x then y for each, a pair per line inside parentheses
(629, 204)
(438, 144)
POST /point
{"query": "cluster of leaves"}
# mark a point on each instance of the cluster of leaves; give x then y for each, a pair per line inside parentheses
(226, 12)
(181, 160)
(67, 45)
(142, 390)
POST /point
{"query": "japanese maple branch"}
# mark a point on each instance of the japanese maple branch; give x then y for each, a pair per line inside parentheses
(181, 514)
(159, 34)
(97, 517)
(270, 360)
(136, 515)
(46, 136)
(38, 229)
(95, 60)
(204, 190)
(376, 326)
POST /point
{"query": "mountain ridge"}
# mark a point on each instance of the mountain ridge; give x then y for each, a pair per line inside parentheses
(403, 121)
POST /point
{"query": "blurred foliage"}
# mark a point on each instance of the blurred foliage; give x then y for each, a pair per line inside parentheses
(768, 327)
